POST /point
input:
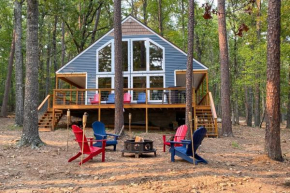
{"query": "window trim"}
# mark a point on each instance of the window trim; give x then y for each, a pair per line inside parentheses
(147, 84)
(147, 42)
(112, 58)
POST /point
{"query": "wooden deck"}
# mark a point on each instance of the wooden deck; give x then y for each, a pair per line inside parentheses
(166, 98)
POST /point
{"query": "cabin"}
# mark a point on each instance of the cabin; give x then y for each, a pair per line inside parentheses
(154, 71)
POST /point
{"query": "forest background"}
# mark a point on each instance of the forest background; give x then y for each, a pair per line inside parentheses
(66, 28)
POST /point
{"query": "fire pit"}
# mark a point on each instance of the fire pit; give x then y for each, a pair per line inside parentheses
(146, 146)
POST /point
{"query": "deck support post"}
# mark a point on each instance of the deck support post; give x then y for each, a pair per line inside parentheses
(146, 119)
(99, 114)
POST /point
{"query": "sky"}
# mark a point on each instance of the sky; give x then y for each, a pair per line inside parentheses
(209, 1)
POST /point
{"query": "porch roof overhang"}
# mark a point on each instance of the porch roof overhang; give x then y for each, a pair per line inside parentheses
(76, 79)
(198, 77)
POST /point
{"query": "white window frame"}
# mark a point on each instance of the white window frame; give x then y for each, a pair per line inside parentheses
(147, 84)
(128, 52)
(112, 58)
(105, 76)
(148, 80)
(163, 59)
(147, 41)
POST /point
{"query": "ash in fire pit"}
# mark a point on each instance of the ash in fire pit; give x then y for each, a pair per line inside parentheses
(138, 146)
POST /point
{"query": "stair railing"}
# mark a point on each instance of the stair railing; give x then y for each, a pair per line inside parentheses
(45, 105)
(213, 111)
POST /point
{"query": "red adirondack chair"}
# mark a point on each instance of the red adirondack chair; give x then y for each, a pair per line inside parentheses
(179, 135)
(127, 98)
(95, 100)
(89, 149)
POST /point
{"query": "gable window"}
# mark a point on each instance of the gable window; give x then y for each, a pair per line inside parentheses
(105, 58)
(155, 57)
(139, 55)
(147, 56)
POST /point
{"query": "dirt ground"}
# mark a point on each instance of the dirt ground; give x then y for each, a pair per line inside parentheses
(235, 164)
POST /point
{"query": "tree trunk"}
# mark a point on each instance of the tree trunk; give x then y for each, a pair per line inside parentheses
(119, 117)
(19, 108)
(8, 78)
(189, 66)
(160, 17)
(249, 103)
(145, 11)
(54, 52)
(30, 135)
(48, 61)
(98, 14)
(257, 107)
(236, 112)
(183, 24)
(225, 78)
(272, 136)
(288, 106)
(62, 44)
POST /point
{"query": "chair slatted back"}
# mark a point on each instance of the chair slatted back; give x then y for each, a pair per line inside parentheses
(180, 133)
(96, 97)
(127, 97)
(99, 128)
(198, 136)
(79, 137)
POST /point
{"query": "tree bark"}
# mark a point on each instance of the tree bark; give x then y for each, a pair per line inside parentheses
(272, 135)
(30, 135)
(160, 17)
(183, 24)
(288, 106)
(225, 78)
(189, 66)
(257, 116)
(19, 108)
(249, 103)
(98, 14)
(62, 44)
(48, 61)
(144, 11)
(8, 77)
(54, 52)
(119, 117)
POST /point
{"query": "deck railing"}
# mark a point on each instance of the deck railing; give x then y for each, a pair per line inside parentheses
(213, 111)
(175, 95)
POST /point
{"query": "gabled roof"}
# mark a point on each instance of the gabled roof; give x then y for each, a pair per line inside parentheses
(143, 25)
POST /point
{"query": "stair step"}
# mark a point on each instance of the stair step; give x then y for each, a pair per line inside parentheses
(44, 129)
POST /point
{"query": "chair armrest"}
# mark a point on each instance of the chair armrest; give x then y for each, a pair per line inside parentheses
(114, 135)
(102, 136)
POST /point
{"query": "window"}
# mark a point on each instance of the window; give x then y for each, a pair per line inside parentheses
(139, 55)
(138, 82)
(104, 82)
(125, 82)
(105, 59)
(125, 55)
(155, 57)
(156, 82)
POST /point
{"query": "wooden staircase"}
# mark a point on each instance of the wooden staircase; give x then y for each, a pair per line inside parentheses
(45, 123)
(205, 118)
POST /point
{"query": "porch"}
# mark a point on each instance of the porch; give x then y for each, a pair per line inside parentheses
(156, 99)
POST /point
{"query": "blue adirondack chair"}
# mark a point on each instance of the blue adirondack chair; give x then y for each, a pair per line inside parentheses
(111, 99)
(185, 151)
(141, 98)
(100, 134)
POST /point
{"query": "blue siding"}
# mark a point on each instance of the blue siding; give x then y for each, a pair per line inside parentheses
(86, 62)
